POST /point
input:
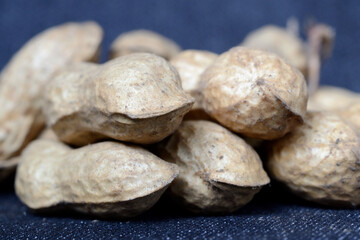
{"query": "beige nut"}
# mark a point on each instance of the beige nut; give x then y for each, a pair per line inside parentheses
(136, 98)
(8, 167)
(191, 64)
(23, 79)
(254, 93)
(330, 98)
(281, 42)
(219, 172)
(319, 161)
(143, 41)
(103, 179)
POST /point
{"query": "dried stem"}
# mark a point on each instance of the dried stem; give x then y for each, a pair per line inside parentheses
(320, 45)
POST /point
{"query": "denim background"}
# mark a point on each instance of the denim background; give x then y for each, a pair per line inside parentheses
(202, 24)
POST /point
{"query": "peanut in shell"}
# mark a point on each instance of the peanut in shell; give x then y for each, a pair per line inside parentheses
(143, 41)
(106, 179)
(135, 98)
(23, 79)
(191, 64)
(331, 98)
(319, 161)
(254, 93)
(219, 172)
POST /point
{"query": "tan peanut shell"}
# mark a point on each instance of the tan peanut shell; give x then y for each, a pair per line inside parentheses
(319, 161)
(103, 179)
(190, 64)
(9, 166)
(23, 79)
(136, 98)
(143, 41)
(219, 172)
(330, 98)
(278, 40)
(254, 93)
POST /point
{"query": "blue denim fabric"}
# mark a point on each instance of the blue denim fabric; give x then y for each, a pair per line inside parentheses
(273, 214)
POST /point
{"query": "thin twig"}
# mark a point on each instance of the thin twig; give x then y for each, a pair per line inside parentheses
(320, 45)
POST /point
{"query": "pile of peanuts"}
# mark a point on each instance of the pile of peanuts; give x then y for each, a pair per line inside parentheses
(109, 139)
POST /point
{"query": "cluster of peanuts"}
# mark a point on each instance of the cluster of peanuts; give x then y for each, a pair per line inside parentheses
(109, 139)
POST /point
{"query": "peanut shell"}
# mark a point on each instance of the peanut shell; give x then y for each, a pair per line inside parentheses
(191, 64)
(106, 179)
(330, 98)
(135, 98)
(23, 79)
(254, 93)
(143, 41)
(319, 161)
(219, 172)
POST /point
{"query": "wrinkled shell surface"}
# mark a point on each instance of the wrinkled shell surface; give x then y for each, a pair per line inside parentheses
(22, 80)
(143, 41)
(329, 98)
(9, 166)
(190, 64)
(319, 161)
(105, 179)
(136, 98)
(254, 93)
(281, 42)
(219, 172)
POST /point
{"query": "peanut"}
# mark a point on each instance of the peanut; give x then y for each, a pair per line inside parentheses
(319, 161)
(191, 64)
(136, 98)
(219, 172)
(254, 93)
(23, 79)
(143, 41)
(106, 179)
(330, 98)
